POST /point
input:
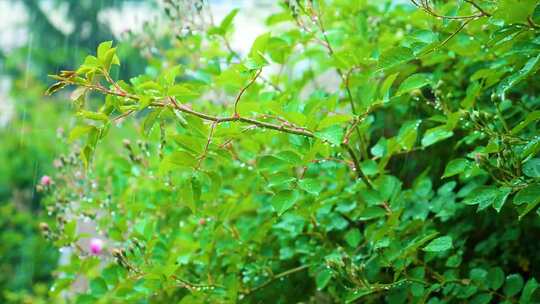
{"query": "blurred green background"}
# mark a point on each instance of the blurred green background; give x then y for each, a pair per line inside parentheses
(38, 38)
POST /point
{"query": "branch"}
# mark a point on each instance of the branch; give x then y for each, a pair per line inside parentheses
(251, 121)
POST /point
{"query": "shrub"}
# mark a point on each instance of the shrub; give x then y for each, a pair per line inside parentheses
(413, 180)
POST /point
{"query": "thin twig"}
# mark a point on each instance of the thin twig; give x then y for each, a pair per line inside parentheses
(425, 7)
(445, 41)
(357, 168)
(237, 100)
(276, 277)
(478, 7)
(205, 152)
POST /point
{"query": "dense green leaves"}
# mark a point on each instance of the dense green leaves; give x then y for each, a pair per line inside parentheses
(356, 153)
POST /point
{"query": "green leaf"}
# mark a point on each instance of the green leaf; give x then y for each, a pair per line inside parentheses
(98, 287)
(103, 48)
(371, 213)
(531, 117)
(109, 58)
(413, 82)
(353, 237)
(532, 167)
(271, 163)
(515, 11)
(528, 195)
(436, 135)
(86, 155)
(501, 198)
(178, 159)
(79, 131)
(439, 244)
(70, 231)
(225, 24)
(407, 134)
(395, 56)
(182, 92)
(385, 88)
(359, 293)
(144, 102)
(482, 298)
(530, 67)
(78, 93)
(371, 197)
(323, 278)
(93, 115)
(495, 278)
(55, 87)
(333, 134)
(483, 197)
(456, 166)
(284, 200)
(150, 121)
(311, 185)
(513, 284)
(259, 45)
(528, 291)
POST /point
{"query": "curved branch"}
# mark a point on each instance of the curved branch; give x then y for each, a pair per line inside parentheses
(237, 100)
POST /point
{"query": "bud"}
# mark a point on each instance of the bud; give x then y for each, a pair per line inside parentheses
(96, 246)
(45, 181)
(43, 227)
(117, 253)
(478, 158)
(57, 163)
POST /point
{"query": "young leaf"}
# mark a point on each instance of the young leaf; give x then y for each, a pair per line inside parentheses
(413, 82)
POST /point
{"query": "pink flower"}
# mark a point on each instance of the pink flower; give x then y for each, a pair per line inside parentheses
(45, 181)
(96, 246)
(202, 221)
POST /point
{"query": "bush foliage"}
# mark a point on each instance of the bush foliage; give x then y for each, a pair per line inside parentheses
(414, 178)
